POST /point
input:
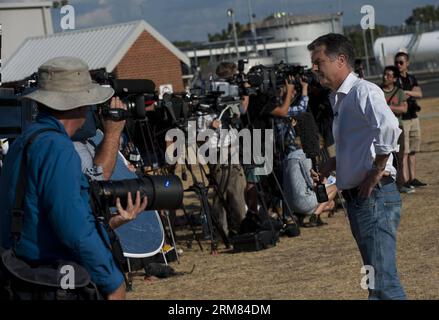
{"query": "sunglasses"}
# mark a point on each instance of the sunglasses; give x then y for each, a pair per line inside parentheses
(399, 62)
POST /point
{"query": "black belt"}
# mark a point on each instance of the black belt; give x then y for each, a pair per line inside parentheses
(351, 194)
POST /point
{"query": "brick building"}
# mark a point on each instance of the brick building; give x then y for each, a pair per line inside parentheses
(133, 50)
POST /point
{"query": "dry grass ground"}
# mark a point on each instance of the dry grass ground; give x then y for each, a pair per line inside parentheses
(323, 263)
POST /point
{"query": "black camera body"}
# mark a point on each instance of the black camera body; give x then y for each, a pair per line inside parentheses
(321, 194)
(135, 93)
(214, 97)
(269, 79)
(17, 113)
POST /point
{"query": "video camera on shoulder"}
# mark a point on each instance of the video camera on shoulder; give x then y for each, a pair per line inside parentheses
(136, 94)
(269, 79)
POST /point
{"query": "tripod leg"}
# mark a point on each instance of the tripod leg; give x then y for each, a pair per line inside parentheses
(220, 195)
(202, 192)
(194, 234)
(264, 207)
(171, 231)
(342, 201)
(211, 219)
(130, 276)
(206, 211)
(284, 200)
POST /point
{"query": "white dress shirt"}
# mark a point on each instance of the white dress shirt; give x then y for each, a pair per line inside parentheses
(363, 127)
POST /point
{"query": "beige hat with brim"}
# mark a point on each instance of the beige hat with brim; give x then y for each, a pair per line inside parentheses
(64, 83)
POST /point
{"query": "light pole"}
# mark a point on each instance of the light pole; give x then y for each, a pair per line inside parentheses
(252, 27)
(366, 52)
(283, 16)
(231, 14)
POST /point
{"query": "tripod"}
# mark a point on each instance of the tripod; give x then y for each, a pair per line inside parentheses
(286, 210)
(201, 190)
(157, 168)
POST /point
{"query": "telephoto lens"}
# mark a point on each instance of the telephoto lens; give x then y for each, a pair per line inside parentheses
(163, 192)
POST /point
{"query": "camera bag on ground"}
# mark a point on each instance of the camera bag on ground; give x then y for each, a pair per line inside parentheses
(256, 234)
(21, 280)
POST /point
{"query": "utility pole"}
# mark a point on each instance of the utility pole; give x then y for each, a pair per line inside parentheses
(283, 16)
(372, 39)
(366, 53)
(252, 27)
(286, 36)
(231, 14)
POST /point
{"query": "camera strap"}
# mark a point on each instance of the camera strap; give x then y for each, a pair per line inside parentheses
(391, 97)
(18, 209)
(102, 218)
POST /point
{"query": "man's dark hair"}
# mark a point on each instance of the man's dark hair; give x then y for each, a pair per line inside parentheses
(335, 45)
(394, 69)
(67, 114)
(402, 54)
(45, 109)
(226, 70)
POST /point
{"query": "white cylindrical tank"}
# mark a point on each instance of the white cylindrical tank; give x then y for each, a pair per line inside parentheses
(266, 61)
(299, 28)
(425, 49)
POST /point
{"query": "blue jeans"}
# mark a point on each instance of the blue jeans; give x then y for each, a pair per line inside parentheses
(374, 222)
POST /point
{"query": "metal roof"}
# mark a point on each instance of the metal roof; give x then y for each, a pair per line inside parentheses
(25, 5)
(101, 47)
(291, 19)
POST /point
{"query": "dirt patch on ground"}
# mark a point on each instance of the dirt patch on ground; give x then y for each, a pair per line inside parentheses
(323, 263)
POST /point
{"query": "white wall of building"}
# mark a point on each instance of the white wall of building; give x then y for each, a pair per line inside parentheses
(22, 20)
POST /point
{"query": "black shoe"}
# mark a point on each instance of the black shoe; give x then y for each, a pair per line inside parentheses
(312, 222)
(232, 234)
(404, 189)
(408, 185)
(300, 220)
(317, 220)
(417, 183)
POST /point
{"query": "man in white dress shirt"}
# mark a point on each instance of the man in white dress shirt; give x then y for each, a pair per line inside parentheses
(366, 133)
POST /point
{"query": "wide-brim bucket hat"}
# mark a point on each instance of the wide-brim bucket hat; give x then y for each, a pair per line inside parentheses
(64, 83)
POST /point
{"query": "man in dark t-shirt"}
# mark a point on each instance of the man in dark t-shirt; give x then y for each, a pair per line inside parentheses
(410, 120)
(397, 102)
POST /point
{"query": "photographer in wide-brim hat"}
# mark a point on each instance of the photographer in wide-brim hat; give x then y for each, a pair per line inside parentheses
(57, 219)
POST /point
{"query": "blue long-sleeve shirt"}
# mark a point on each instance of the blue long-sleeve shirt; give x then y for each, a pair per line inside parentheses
(58, 221)
(283, 130)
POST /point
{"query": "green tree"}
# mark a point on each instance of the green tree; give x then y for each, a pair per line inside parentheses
(226, 34)
(183, 44)
(423, 14)
(59, 4)
(355, 34)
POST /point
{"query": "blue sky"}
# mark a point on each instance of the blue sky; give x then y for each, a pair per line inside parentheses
(193, 19)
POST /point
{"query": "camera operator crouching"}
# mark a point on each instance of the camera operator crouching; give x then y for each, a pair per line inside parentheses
(281, 100)
(297, 182)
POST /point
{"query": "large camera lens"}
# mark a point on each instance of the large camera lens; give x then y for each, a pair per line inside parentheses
(136, 106)
(163, 192)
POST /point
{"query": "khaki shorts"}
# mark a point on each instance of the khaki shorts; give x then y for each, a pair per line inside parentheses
(412, 135)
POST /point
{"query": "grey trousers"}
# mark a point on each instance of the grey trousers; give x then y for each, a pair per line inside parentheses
(231, 182)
